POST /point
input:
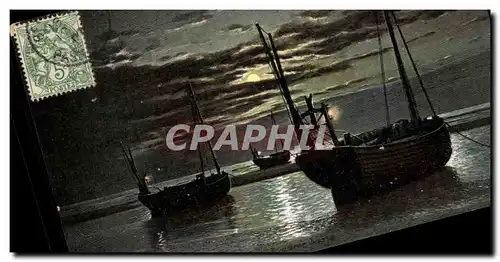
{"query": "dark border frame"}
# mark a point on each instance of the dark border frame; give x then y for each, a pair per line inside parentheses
(36, 225)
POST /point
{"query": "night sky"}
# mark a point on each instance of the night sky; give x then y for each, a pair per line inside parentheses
(143, 61)
(152, 54)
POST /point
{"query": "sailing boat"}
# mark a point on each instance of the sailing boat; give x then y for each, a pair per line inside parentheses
(202, 191)
(361, 165)
(274, 159)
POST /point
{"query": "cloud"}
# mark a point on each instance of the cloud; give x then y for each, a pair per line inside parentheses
(113, 48)
(421, 36)
(189, 20)
(238, 28)
(113, 34)
(340, 66)
(351, 21)
(113, 53)
(130, 32)
(179, 54)
(476, 19)
(152, 43)
(108, 35)
(354, 26)
(315, 13)
(191, 17)
(120, 57)
(299, 68)
(164, 58)
(185, 27)
(105, 52)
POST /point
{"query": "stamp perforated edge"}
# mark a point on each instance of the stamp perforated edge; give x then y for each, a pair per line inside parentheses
(13, 28)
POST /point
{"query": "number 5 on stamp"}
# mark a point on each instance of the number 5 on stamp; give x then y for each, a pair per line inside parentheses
(53, 55)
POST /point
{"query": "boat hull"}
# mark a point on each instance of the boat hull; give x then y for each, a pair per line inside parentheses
(173, 199)
(275, 159)
(354, 172)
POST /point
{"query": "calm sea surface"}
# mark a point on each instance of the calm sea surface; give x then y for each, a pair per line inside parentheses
(291, 213)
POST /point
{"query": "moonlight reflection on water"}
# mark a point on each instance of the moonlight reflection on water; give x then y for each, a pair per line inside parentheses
(285, 213)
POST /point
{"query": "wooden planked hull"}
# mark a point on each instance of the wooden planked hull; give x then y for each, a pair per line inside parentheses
(192, 194)
(353, 172)
(275, 159)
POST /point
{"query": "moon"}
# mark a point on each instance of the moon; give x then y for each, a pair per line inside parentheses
(334, 113)
(252, 77)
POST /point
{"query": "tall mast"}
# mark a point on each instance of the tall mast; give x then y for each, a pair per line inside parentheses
(402, 73)
(286, 91)
(278, 70)
(274, 123)
(200, 155)
(193, 98)
(382, 71)
(276, 65)
(414, 66)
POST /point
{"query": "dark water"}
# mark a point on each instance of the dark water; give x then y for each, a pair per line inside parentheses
(291, 213)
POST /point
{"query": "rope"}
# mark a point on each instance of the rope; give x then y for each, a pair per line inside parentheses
(264, 30)
(414, 65)
(468, 138)
(281, 92)
(276, 74)
(382, 71)
(200, 155)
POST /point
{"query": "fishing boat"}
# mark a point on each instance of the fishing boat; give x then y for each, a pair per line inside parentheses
(275, 159)
(359, 166)
(203, 191)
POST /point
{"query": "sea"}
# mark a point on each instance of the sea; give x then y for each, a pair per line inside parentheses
(292, 214)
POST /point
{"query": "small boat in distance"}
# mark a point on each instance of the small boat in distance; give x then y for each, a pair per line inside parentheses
(274, 159)
(203, 191)
(359, 166)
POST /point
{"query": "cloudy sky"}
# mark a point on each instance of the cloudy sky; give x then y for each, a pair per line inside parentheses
(149, 56)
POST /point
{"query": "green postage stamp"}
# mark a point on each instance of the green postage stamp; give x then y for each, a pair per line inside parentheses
(53, 55)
